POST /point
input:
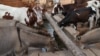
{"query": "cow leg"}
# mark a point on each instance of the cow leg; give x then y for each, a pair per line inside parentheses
(64, 13)
(70, 18)
(63, 21)
(98, 23)
(97, 16)
(91, 22)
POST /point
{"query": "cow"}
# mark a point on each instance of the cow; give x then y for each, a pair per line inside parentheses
(39, 11)
(67, 8)
(81, 14)
(98, 23)
(26, 15)
(58, 8)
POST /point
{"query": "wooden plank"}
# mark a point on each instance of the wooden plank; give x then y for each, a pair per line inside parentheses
(56, 18)
(68, 43)
(71, 31)
(7, 23)
(67, 53)
(57, 53)
(34, 30)
(97, 45)
(24, 27)
(61, 16)
(88, 52)
(15, 3)
(9, 40)
(96, 51)
(36, 40)
(34, 50)
(48, 54)
(64, 2)
(34, 54)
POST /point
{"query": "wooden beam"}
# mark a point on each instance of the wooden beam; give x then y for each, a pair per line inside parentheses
(34, 30)
(88, 52)
(68, 43)
(7, 23)
(57, 53)
(25, 27)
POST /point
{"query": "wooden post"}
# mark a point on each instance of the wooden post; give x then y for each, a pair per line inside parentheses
(68, 43)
